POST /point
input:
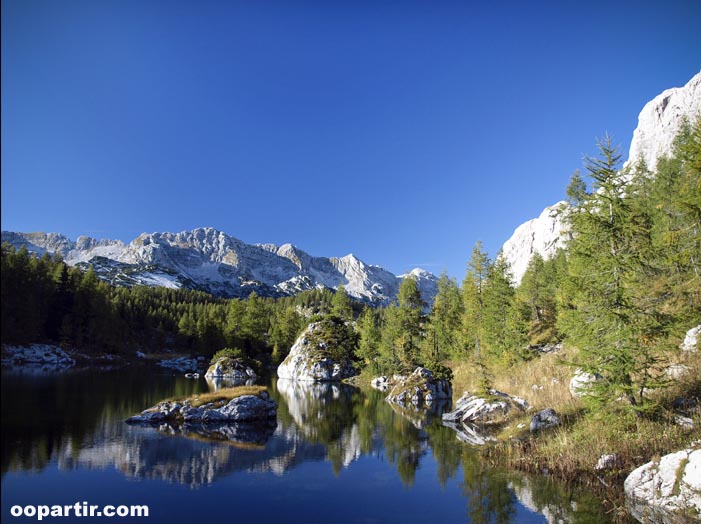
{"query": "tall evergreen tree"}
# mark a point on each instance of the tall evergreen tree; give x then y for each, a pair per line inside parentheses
(443, 330)
(341, 304)
(410, 312)
(614, 334)
(473, 301)
(370, 338)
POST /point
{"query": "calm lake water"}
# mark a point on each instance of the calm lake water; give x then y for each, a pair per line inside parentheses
(338, 454)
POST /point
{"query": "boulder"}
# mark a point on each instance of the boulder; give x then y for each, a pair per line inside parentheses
(246, 408)
(234, 370)
(667, 490)
(477, 409)
(419, 390)
(309, 360)
(545, 419)
(677, 371)
(582, 381)
(608, 462)
(382, 383)
(691, 340)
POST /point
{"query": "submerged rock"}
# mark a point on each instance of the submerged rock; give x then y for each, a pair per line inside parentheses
(309, 360)
(420, 389)
(668, 490)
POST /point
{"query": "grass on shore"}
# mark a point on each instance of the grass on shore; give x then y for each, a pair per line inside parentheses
(571, 451)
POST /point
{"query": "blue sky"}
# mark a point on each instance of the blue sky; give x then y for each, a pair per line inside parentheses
(402, 132)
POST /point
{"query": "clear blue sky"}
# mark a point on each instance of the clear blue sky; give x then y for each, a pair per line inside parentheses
(401, 131)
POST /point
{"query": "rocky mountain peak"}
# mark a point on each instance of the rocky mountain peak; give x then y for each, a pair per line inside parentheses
(658, 124)
(210, 260)
(661, 119)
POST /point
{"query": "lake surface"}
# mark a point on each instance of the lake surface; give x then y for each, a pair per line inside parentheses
(338, 454)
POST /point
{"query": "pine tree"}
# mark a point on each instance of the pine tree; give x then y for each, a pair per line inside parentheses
(443, 330)
(410, 313)
(341, 304)
(370, 337)
(473, 301)
(504, 331)
(614, 334)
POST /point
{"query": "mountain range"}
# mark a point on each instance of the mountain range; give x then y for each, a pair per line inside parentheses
(209, 260)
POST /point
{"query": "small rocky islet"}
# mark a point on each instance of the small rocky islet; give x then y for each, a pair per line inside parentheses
(229, 405)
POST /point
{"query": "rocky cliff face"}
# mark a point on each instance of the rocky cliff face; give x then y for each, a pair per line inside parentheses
(543, 235)
(658, 124)
(212, 261)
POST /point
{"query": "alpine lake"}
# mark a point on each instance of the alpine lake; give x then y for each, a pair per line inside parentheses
(337, 454)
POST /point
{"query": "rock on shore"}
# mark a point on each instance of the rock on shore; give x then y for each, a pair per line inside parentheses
(668, 490)
(36, 359)
(419, 390)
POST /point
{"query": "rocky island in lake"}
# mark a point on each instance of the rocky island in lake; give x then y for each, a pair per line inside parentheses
(238, 404)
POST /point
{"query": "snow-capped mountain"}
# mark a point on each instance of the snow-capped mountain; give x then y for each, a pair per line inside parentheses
(212, 261)
(658, 124)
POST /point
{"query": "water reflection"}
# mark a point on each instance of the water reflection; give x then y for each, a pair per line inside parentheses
(76, 422)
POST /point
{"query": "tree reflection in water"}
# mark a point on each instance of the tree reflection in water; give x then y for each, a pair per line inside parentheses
(77, 421)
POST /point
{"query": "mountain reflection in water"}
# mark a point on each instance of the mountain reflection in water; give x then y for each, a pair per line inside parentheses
(75, 422)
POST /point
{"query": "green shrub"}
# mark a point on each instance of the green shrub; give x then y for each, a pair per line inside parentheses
(230, 353)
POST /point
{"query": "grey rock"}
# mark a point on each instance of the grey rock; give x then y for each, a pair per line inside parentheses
(419, 390)
(36, 359)
(685, 422)
(306, 362)
(476, 409)
(545, 419)
(380, 383)
(608, 462)
(677, 371)
(664, 491)
(182, 364)
(234, 370)
(691, 340)
(582, 381)
(244, 408)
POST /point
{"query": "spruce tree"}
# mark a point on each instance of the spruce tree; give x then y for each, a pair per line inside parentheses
(341, 304)
(606, 321)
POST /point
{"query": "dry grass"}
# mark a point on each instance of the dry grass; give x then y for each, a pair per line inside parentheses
(221, 396)
(543, 382)
(572, 450)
